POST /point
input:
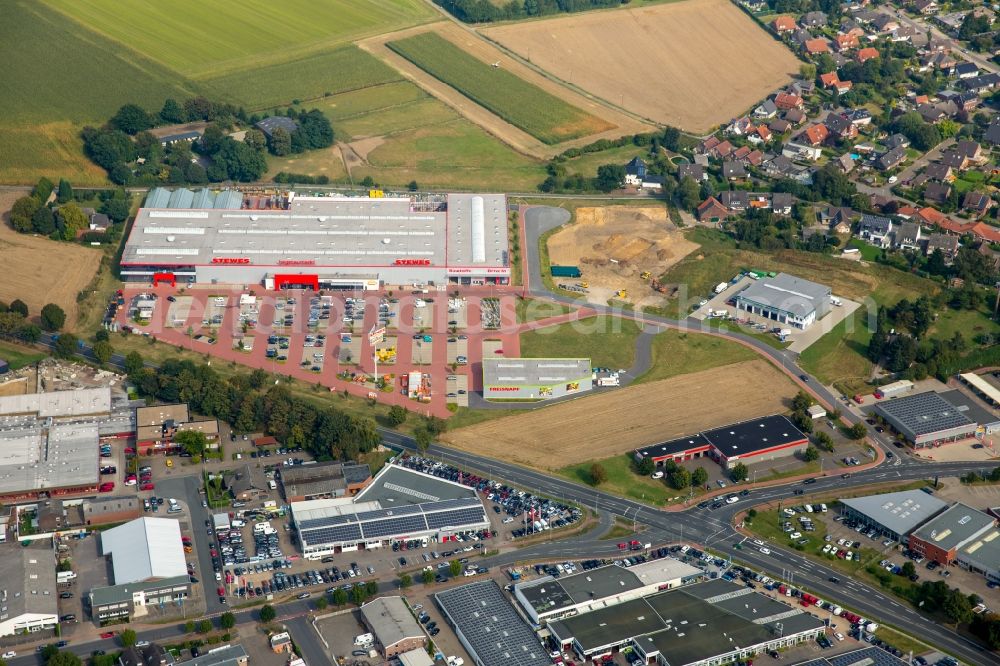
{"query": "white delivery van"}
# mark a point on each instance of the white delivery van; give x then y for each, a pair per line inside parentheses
(364, 640)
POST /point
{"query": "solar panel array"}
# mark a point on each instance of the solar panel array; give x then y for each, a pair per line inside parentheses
(457, 514)
(871, 655)
(490, 627)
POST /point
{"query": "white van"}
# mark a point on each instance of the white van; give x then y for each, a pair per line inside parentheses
(364, 640)
(272, 485)
(237, 523)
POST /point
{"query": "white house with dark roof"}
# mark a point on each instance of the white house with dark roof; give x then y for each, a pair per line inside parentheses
(876, 230)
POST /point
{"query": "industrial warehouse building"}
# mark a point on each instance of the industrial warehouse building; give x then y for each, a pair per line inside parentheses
(489, 628)
(399, 503)
(894, 515)
(941, 538)
(926, 420)
(535, 378)
(786, 299)
(30, 600)
(547, 598)
(323, 480)
(334, 242)
(156, 426)
(392, 623)
(757, 440)
(713, 622)
(147, 560)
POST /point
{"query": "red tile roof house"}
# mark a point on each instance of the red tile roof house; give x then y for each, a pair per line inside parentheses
(831, 80)
(845, 42)
(783, 24)
(816, 134)
(867, 54)
(711, 210)
(786, 101)
(816, 46)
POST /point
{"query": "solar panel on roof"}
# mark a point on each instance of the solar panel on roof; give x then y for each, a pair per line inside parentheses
(455, 518)
(450, 504)
(340, 533)
(393, 526)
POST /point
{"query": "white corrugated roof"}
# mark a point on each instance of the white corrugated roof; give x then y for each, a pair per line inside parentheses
(145, 548)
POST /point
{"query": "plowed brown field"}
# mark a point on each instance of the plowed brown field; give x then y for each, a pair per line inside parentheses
(691, 64)
(608, 424)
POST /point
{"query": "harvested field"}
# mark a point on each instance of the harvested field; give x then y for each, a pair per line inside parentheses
(613, 245)
(39, 271)
(609, 424)
(691, 64)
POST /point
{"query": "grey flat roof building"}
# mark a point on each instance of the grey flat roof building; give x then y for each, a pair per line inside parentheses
(926, 419)
(787, 299)
(868, 656)
(954, 527)
(489, 627)
(392, 622)
(57, 404)
(326, 478)
(535, 378)
(397, 239)
(29, 588)
(896, 514)
(63, 456)
(227, 655)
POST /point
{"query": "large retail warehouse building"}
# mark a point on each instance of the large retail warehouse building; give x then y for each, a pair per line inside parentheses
(319, 241)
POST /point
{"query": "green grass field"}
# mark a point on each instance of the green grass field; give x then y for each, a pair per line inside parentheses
(624, 482)
(606, 341)
(322, 75)
(201, 39)
(395, 119)
(368, 100)
(520, 103)
(677, 353)
(530, 309)
(17, 356)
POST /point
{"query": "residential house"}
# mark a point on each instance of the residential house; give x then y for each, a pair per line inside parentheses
(966, 70)
(905, 33)
(953, 160)
(803, 87)
(740, 153)
(977, 203)
(896, 141)
(840, 126)
(946, 243)
(885, 23)
(733, 171)
(761, 135)
(97, 221)
(243, 487)
(708, 145)
(860, 116)
(891, 158)
(779, 126)
(736, 201)
(816, 46)
(866, 54)
(188, 137)
(801, 150)
(783, 167)
(833, 82)
(939, 60)
(635, 171)
(837, 218)
(783, 24)
(932, 217)
(693, 171)
(651, 182)
(876, 230)
(710, 210)
(939, 172)
(271, 123)
(800, 36)
(926, 7)
(816, 134)
(970, 150)
(766, 109)
(796, 117)
(968, 101)
(937, 192)
(722, 150)
(813, 19)
(845, 42)
(782, 203)
(907, 236)
(982, 83)
(992, 135)
(845, 163)
(753, 158)
(786, 101)
(740, 126)
(932, 113)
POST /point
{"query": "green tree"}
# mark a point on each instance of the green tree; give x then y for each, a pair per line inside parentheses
(43, 188)
(193, 441)
(52, 317)
(227, 620)
(397, 415)
(189, 626)
(205, 626)
(422, 439)
(255, 139)
(751, 514)
(699, 477)
(22, 213)
(413, 186)
(321, 603)
(18, 306)
(359, 595)
(455, 567)
(64, 659)
(65, 346)
(646, 466)
(908, 569)
(172, 111)
(43, 221)
(610, 177)
(405, 580)
(65, 191)
(70, 219)
(427, 577)
(133, 363)
(48, 652)
(810, 454)
(116, 209)
(739, 472)
(102, 351)
(807, 71)
(131, 119)
(824, 441)
(128, 637)
(598, 474)
(371, 587)
(267, 613)
(680, 478)
(857, 431)
(802, 401)
(957, 607)
(339, 597)
(281, 142)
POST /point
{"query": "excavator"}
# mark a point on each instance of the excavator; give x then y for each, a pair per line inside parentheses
(621, 293)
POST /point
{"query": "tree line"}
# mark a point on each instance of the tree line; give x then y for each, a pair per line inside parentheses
(243, 401)
(62, 218)
(486, 11)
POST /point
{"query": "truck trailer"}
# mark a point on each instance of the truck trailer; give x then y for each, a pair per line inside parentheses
(565, 271)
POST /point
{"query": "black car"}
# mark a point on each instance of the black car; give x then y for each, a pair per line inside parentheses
(799, 491)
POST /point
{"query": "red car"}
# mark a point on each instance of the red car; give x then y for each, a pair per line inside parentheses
(622, 546)
(221, 591)
(108, 634)
(129, 450)
(147, 486)
(106, 487)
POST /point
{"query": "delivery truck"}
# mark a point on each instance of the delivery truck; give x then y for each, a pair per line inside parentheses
(565, 271)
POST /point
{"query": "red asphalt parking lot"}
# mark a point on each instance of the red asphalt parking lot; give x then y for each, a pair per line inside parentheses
(231, 330)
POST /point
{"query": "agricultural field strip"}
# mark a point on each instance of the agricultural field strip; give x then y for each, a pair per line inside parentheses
(524, 105)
